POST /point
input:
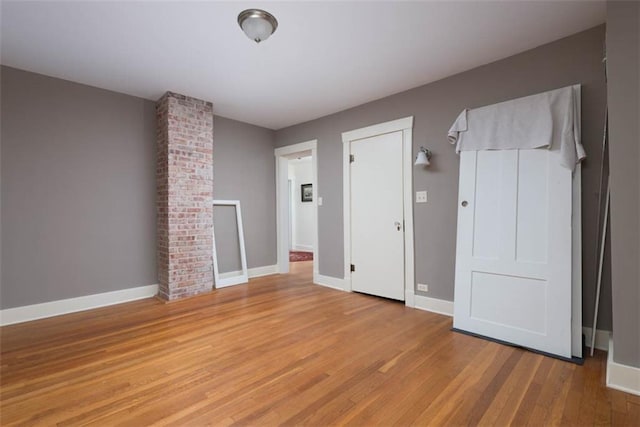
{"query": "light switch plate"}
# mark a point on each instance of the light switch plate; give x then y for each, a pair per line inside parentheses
(421, 197)
(319, 201)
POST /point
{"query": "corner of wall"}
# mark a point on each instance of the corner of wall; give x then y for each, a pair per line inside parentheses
(622, 377)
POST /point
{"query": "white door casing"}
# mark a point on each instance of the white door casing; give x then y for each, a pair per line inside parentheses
(292, 214)
(282, 156)
(405, 126)
(514, 248)
(377, 217)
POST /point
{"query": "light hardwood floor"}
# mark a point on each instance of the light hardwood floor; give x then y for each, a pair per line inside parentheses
(281, 350)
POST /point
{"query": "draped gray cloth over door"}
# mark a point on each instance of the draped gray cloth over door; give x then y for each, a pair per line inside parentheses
(546, 120)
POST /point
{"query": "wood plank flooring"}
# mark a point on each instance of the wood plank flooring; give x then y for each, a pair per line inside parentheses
(281, 350)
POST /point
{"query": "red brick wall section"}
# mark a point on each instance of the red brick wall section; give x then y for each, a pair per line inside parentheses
(184, 176)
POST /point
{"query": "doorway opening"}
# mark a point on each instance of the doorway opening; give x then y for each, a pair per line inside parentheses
(297, 202)
(301, 210)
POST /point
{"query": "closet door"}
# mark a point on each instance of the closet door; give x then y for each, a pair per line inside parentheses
(377, 216)
(514, 248)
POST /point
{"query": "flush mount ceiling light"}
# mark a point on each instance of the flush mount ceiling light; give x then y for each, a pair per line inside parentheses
(257, 24)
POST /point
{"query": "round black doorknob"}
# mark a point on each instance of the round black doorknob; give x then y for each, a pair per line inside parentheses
(464, 203)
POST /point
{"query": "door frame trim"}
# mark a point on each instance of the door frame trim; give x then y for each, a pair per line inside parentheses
(405, 125)
(282, 156)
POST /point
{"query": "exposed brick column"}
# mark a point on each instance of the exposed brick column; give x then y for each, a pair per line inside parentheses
(184, 176)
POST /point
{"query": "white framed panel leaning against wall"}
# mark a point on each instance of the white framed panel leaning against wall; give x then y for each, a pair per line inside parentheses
(221, 280)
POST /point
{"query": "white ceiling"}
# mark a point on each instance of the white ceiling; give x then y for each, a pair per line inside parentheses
(324, 57)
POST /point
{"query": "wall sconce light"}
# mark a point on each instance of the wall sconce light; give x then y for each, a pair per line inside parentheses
(424, 155)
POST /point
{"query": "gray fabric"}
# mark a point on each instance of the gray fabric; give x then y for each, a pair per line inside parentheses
(546, 120)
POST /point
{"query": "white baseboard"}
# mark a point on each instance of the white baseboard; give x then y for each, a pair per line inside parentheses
(602, 338)
(328, 281)
(265, 270)
(303, 248)
(622, 377)
(433, 305)
(26, 313)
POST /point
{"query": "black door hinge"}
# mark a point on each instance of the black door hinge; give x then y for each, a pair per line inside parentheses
(353, 268)
(352, 158)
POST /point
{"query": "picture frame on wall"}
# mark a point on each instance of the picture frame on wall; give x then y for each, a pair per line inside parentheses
(306, 191)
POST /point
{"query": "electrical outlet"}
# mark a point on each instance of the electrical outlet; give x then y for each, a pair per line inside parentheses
(422, 287)
(421, 197)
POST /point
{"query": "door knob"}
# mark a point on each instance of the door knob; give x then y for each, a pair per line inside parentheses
(398, 225)
(464, 203)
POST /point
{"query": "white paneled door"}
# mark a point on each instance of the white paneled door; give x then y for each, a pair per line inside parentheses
(377, 218)
(514, 259)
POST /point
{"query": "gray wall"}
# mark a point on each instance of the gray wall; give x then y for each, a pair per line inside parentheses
(78, 193)
(576, 59)
(244, 169)
(623, 68)
(78, 190)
